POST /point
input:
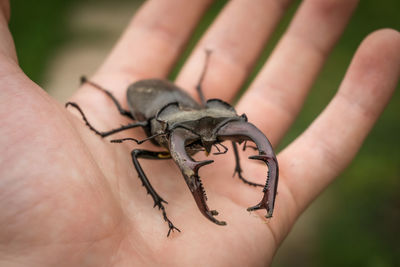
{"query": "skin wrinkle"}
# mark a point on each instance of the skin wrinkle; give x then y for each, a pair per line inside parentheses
(119, 254)
(366, 74)
(239, 72)
(132, 245)
(271, 230)
(45, 199)
(319, 52)
(331, 158)
(137, 72)
(290, 192)
(93, 241)
(289, 160)
(170, 48)
(278, 98)
(159, 31)
(362, 109)
(280, 231)
(230, 60)
(15, 238)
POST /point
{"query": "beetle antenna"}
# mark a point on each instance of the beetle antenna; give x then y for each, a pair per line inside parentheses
(135, 140)
(200, 83)
(219, 151)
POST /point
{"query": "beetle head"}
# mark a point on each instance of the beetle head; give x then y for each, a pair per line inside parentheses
(235, 129)
(190, 129)
(203, 123)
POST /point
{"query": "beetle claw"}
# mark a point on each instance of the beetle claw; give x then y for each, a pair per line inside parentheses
(190, 169)
(172, 228)
(239, 130)
(210, 215)
(257, 207)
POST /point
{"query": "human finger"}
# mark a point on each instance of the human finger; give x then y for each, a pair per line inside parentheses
(154, 39)
(310, 163)
(283, 83)
(7, 48)
(236, 39)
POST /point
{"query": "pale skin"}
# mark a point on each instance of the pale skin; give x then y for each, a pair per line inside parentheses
(70, 198)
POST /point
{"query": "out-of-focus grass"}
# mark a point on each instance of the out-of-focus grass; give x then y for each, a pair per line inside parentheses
(38, 28)
(359, 215)
(360, 224)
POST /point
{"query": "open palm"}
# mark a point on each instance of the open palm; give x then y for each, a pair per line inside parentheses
(70, 198)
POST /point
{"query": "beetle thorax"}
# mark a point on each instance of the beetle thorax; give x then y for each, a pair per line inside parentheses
(201, 122)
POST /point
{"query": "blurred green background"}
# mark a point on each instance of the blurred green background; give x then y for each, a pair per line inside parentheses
(356, 222)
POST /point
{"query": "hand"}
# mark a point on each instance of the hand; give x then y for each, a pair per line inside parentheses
(70, 198)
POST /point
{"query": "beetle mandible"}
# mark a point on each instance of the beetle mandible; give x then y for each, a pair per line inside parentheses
(173, 120)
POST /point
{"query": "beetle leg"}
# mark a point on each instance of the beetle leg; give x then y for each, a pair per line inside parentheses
(107, 133)
(189, 169)
(158, 201)
(122, 111)
(238, 169)
(203, 73)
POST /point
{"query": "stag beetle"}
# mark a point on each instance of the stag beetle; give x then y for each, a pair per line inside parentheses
(175, 121)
